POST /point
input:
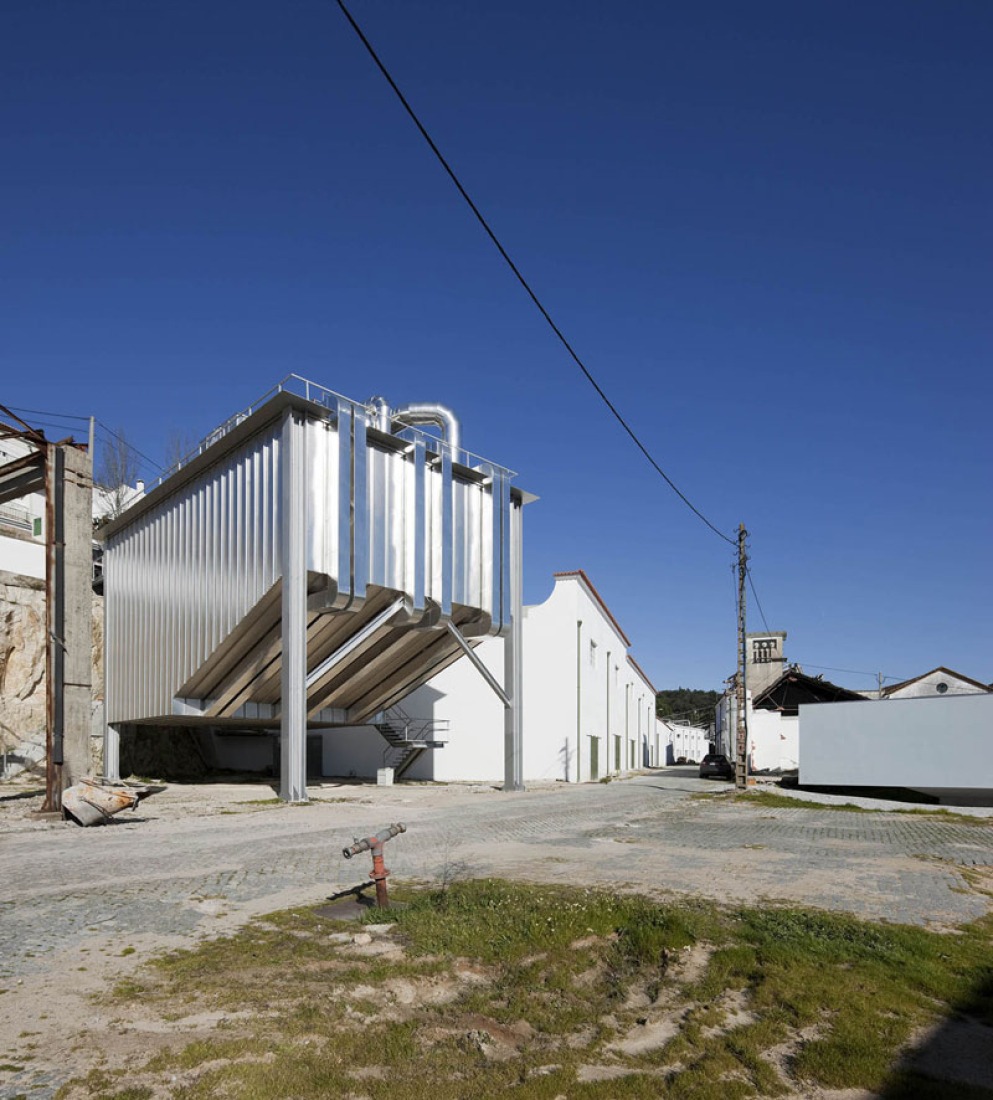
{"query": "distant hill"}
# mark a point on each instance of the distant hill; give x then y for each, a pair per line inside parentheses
(687, 704)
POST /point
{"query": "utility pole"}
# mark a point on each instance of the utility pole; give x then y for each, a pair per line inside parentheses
(741, 694)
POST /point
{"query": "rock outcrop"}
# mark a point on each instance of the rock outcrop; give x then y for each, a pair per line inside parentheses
(22, 672)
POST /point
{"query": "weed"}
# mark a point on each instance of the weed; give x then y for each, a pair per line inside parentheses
(555, 976)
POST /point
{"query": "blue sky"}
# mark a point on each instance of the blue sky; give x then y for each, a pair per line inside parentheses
(765, 227)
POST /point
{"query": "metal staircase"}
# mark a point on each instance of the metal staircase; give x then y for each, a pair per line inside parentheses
(407, 738)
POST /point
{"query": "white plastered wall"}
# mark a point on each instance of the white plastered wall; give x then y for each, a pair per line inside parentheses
(943, 743)
(774, 741)
(579, 688)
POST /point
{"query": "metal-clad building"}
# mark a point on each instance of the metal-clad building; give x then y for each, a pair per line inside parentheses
(312, 563)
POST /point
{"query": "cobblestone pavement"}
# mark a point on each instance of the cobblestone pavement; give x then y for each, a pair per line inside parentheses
(195, 861)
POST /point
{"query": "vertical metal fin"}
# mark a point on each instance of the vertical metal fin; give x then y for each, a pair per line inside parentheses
(419, 590)
(446, 532)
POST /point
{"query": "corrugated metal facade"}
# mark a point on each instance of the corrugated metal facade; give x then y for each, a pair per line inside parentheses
(180, 578)
(185, 571)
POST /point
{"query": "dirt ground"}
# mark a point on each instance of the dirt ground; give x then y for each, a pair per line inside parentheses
(83, 908)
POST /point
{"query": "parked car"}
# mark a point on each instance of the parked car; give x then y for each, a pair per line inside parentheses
(716, 764)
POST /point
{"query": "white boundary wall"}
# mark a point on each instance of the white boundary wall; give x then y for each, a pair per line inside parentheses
(774, 741)
(943, 743)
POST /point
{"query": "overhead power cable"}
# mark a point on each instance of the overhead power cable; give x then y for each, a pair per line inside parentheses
(131, 447)
(853, 671)
(758, 603)
(54, 417)
(46, 422)
(43, 412)
(524, 283)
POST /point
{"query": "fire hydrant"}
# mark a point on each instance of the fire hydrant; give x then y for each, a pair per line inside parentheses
(375, 844)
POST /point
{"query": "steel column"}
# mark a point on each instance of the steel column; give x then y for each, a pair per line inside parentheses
(293, 552)
(513, 671)
(111, 753)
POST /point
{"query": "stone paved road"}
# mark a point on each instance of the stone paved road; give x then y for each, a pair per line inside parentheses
(200, 860)
(152, 875)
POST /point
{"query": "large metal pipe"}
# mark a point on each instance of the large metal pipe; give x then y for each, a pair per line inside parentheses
(438, 415)
(380, 413)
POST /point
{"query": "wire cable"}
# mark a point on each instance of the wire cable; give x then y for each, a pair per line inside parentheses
(853, 671)
(53, 417)
(758, 603)
(520, 278)
(44, 412)
(46, 422)
(130, 446)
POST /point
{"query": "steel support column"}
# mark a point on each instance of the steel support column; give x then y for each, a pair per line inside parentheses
(293, 552)
(111, 753)
(513, 663)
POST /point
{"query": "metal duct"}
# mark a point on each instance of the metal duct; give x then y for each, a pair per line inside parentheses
(380, 412)
(438, 415)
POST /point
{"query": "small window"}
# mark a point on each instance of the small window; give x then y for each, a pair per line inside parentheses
(941, 688)
(36, 527)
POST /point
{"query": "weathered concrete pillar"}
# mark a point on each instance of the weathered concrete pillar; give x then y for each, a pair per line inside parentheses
(77, 687)
(69, 534)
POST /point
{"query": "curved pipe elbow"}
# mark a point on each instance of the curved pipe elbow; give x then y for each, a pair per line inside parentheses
(437, 415)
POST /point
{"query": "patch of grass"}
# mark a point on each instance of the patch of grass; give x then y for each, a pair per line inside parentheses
(948, 815)
(481, 987)
(101, 1085)
(773, 801)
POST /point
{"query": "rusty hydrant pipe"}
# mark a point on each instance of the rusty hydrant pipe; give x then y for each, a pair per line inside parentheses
(375, 844)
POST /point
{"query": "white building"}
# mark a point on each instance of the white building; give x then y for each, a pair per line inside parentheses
(22, 523)
(772, 718)
(689, 744)
(939, 681)
(589, 710)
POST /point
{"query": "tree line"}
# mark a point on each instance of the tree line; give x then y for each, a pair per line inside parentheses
(687, 704)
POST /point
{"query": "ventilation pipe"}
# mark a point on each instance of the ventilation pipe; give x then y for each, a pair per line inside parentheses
(381, 413)
(437, 415)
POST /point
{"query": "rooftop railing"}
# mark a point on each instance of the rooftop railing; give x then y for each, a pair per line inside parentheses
(333, 401)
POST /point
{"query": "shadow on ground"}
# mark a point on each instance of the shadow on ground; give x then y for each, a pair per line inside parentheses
(956, 1059)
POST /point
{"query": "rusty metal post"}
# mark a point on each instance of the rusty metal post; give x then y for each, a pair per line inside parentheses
(375, 844)
(53, 768)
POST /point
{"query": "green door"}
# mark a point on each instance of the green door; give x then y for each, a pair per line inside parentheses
(617, 752)
(594, 758)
